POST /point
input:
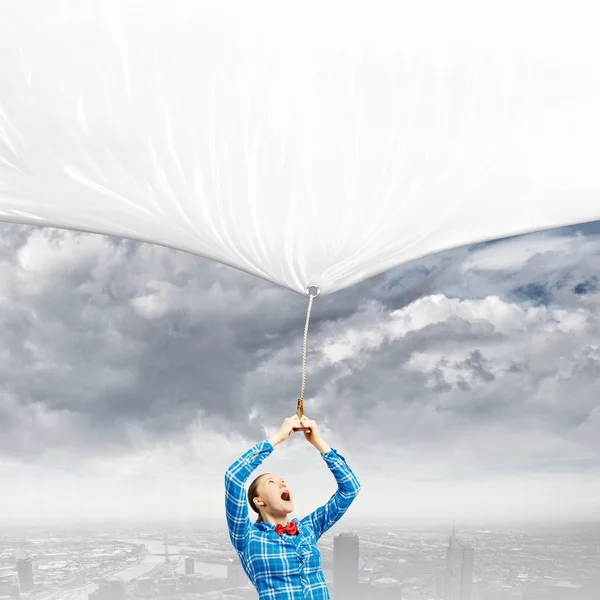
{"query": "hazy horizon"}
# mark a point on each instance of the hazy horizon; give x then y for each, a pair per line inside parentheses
(348, 524)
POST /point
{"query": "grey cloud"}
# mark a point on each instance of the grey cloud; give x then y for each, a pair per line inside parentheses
(82, 364)
(391, 403)
(77, 347)
(476, 364)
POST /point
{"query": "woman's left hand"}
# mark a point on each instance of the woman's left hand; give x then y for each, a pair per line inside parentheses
(313, 435)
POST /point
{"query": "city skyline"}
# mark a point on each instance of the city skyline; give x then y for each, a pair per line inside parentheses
(367, 564)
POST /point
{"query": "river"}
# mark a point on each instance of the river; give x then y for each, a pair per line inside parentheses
(143, 567)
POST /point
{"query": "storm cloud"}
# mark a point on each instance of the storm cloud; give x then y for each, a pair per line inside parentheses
(472, 370)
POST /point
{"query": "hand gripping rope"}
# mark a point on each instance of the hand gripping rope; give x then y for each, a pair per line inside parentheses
(313, 292)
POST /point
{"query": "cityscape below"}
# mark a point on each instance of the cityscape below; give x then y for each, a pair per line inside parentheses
(369, 562)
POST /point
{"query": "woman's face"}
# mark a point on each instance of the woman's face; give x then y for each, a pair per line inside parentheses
(277, 498)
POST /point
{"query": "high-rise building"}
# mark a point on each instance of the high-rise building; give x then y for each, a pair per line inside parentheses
(190, 565)
(458, 580)
(345, 567)
(25, 572)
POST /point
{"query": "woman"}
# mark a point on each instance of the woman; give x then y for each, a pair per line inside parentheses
(281, 558)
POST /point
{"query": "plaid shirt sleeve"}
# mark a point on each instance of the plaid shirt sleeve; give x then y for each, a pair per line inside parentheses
(324, 517)
(236, 502)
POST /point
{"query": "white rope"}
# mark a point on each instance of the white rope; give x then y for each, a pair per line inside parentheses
(311, 297)
(304, 353)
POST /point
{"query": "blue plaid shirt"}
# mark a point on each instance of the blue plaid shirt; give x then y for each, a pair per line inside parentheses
(286, 567)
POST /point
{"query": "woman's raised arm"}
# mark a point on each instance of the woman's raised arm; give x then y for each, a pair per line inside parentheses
(324, 517)
(236, 503)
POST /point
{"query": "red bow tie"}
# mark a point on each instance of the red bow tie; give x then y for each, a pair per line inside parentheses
(290, 528)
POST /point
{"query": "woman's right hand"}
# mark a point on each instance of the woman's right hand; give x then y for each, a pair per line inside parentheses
(286, 429)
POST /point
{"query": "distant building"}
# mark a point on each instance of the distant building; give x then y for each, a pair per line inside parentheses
(236, 576)
(345, 567)
(167, 586)
(109, 589)
(438, 587)
(458, 580)
(504, 592)
(386, 588)
(25, 571)
(9, 587)
(190, 566)
(144, 586)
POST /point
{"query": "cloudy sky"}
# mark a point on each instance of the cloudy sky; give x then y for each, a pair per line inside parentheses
(464, 386)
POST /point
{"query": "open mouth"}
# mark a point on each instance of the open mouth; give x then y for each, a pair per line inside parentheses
(285, 496)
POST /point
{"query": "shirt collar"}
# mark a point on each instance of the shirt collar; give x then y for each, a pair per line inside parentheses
(264, 526)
